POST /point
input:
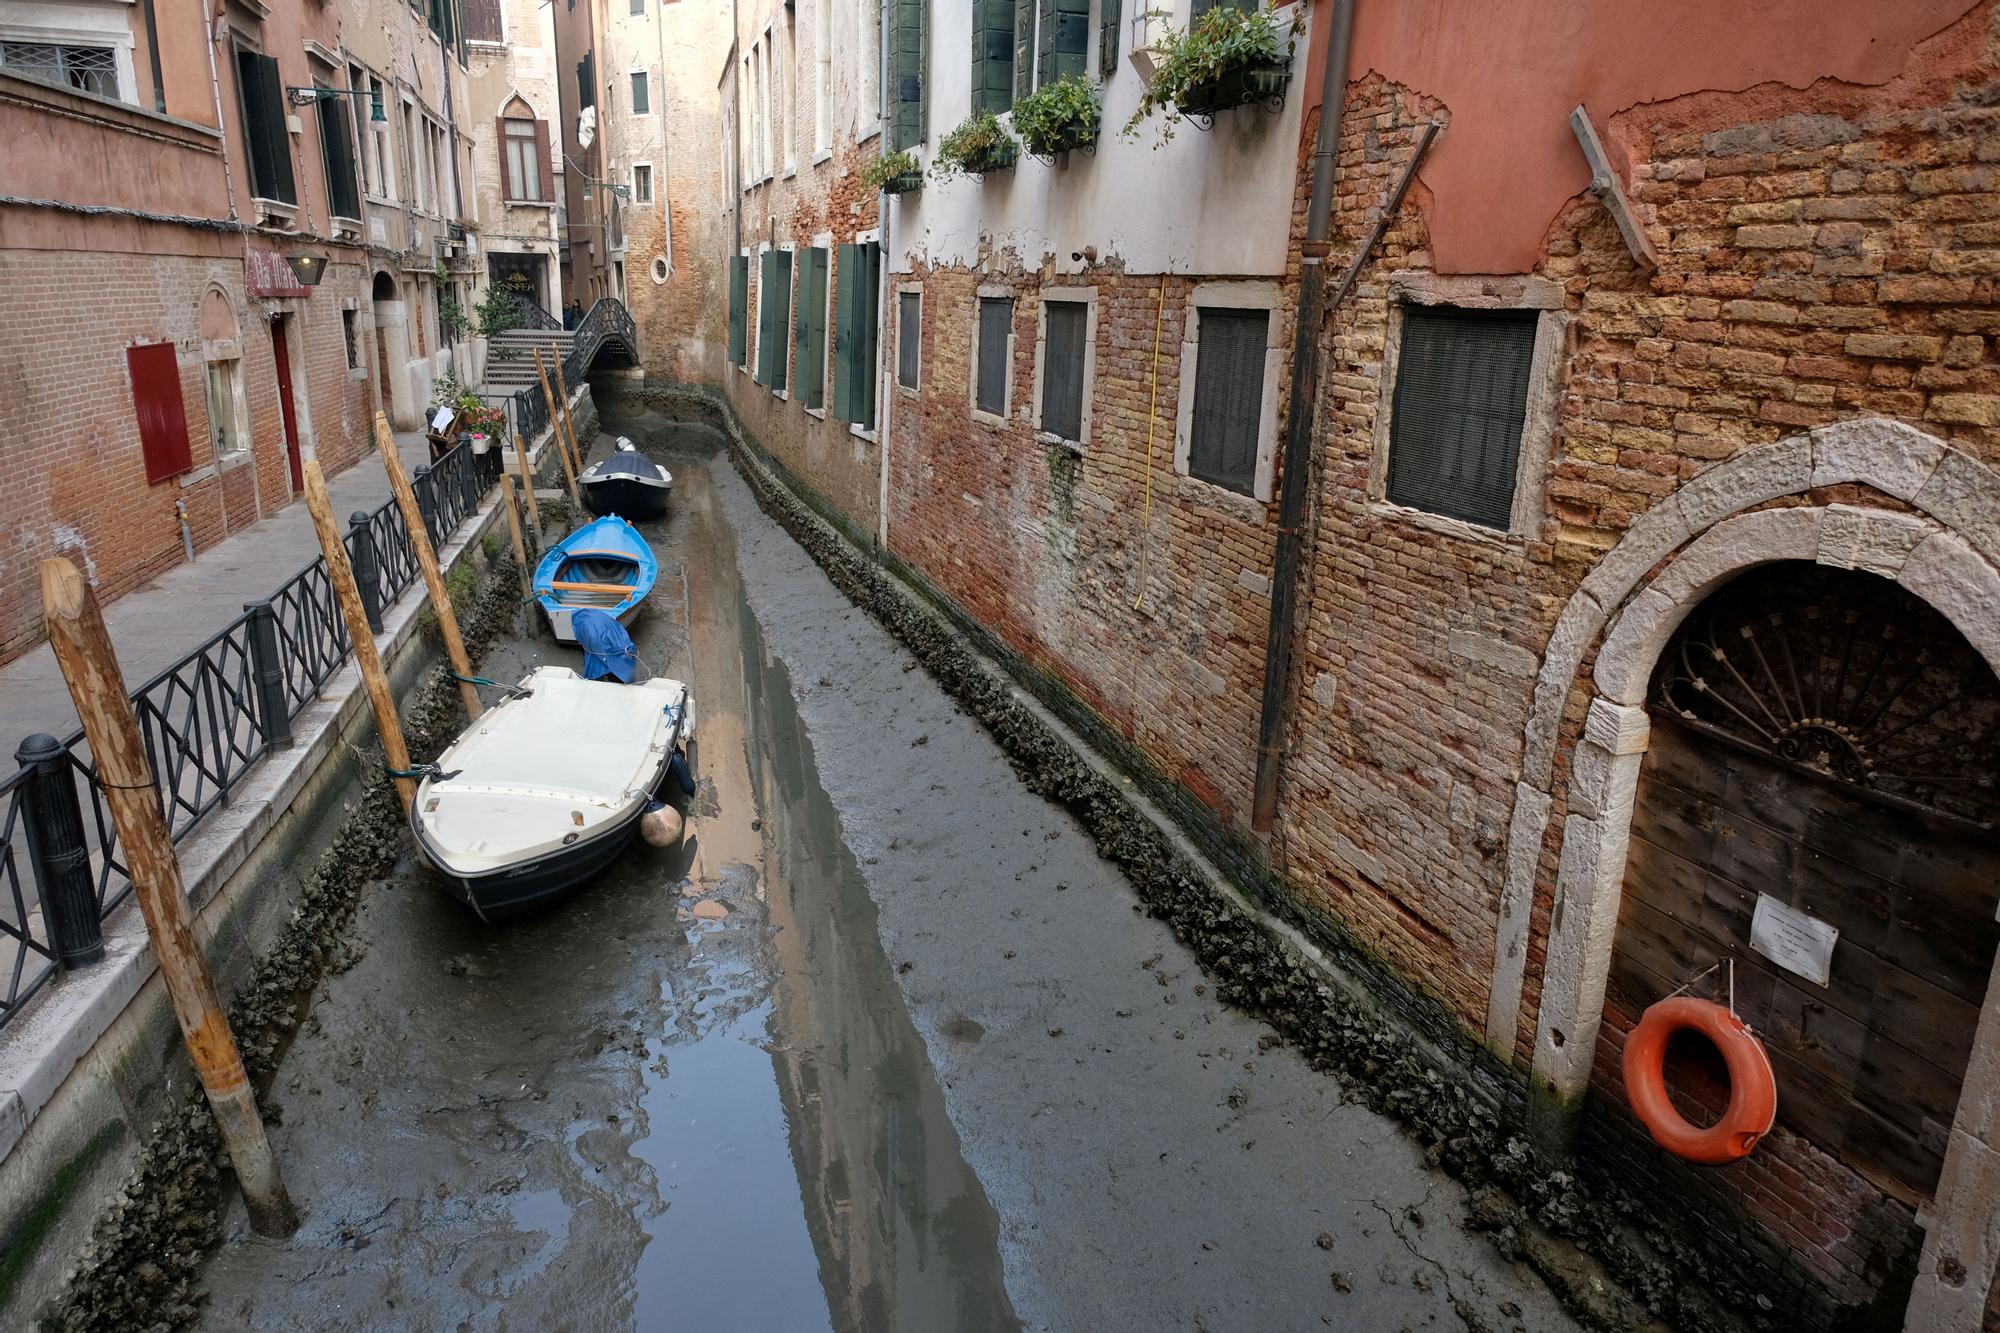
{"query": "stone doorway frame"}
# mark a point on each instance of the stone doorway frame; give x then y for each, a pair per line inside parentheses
(1946, 553)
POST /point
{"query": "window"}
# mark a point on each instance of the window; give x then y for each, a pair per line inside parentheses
(1019, 45)
(993, 358)
(336, 147)
(642, 183)
(809, 333)
(156, 398)
(225, 425)
(379, 148)
(638, 8)
(1225, 425)
(868, 77)
(351, 339)
(909, 23)
(526, 147)
(788, 88)
(642, 96)
(264, 127)
(1065, 366)
(909, 334)
(856, 331)
(1459, 408)
(774, 316)
(90, 69)
(739, 301)
(483, 21)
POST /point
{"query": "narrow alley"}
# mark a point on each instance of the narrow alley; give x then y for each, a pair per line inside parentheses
(879, 1048)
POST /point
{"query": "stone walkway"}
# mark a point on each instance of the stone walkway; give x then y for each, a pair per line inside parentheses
(157, 623)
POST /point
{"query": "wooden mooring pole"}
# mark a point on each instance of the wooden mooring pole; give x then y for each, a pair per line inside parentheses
(569, 421)
(90, 665)
(514, 528)
(394, 751)
(528, 486)
(427, 561)
(556, 433)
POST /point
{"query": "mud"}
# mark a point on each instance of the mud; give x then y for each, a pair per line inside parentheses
(140, 1268)
(1565, 1226)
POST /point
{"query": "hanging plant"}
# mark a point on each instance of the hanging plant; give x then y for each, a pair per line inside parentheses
(1228, 57)
(1059, 116)
(980, 144)
(895, 173)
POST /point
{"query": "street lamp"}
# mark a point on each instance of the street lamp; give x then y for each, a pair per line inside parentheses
(314, 94)
(309, 269)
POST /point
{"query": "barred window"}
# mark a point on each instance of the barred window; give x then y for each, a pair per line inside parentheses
(996, 325)
(1460, 403)
(1228, 396)
(93, 69)
(1065, 331)
(909, 331)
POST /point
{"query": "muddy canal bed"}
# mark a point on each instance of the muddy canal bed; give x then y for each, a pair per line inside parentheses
(883, 1045)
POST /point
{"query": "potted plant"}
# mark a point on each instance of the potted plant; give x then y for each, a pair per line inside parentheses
(894, 173)
(980, 144)
(1226, 58)
(1059, 116)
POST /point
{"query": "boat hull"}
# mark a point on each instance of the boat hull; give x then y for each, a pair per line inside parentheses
(528, 886)
(565, 632)
(627, 497)
(578, 574)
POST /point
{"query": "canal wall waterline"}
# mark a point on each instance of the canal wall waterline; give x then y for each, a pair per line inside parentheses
(94, 1072)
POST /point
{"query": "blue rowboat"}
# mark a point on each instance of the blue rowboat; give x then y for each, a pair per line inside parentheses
(605, 565)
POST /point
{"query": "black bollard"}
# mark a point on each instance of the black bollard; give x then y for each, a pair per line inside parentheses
(367, 569)
(274, 714)
(57, 850)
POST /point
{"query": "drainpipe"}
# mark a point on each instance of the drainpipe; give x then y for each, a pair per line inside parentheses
(215, 86)
(153, 57)
(885, 392)
(1299, 422)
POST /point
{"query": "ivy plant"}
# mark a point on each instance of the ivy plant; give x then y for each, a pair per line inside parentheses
(1060, 115)
(980, 144)
(1224, 41)
(893, 172)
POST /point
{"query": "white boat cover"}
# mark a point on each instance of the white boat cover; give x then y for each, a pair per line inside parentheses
(539, 773)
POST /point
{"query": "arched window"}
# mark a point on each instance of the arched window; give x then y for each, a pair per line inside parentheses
(524, 154)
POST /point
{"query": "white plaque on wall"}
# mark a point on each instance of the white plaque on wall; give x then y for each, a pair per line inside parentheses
(1794, 941)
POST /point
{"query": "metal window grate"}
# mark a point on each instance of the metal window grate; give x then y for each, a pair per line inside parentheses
(1461, 398)
(1228, 396)
(909, 329)
(1062, 368)
(996, 324)
(93, 69)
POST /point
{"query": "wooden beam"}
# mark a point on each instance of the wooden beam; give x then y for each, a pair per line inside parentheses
(395, 752)
(90, 666)
(569, 421)
(528, 487)
(1610, 192)
(427, 562)
(514, 530)
(555, 433)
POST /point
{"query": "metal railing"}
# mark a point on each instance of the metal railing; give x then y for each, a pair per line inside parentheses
(205, 720)
(607, 323)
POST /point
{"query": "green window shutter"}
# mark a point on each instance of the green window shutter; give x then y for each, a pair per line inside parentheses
(869, 337)
(739, 306)
(1024, 47)
(1107, 37)
(1228, 396)
(1045, 41)
(1069, 42)
(908, 24)
(845, 351)
(992, 55)
(767, 273)
(809, 330)
(781, 317)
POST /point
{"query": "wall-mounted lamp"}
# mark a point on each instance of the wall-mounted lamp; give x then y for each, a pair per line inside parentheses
(308, 269)
(308, 96)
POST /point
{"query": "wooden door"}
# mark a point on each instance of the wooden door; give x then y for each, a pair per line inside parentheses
(281, 353)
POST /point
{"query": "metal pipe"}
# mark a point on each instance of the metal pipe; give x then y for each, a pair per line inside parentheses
(187, 533)
(215, 88)
(1299, 423)
(153, 56)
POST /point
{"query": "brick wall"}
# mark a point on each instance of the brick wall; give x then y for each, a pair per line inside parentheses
(70, 436)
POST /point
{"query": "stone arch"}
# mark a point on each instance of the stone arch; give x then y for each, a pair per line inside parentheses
(217, 316)
(392, 352)
(1947, 485)
(1947, 553)
(518, 107)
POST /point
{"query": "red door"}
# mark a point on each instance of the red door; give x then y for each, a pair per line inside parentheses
(282, 353)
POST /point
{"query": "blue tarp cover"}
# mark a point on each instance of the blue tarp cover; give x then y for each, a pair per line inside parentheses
(607, 648)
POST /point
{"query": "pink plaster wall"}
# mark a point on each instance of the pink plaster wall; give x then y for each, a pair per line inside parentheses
(1509, 73)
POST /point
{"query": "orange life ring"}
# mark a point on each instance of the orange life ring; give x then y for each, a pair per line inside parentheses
(1753, 1092)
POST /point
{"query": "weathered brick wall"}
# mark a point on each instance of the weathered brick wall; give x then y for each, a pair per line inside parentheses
(828, 199)
(71, 437)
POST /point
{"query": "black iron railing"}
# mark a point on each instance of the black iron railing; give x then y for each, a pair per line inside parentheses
(206, 720)
(607, 323)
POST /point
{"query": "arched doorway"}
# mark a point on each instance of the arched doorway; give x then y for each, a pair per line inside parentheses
(1819, 792)
(392, 352)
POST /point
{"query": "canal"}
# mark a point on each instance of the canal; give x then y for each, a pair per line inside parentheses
(882, 1045)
